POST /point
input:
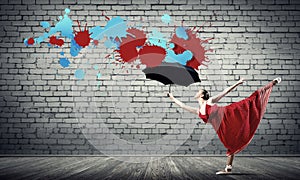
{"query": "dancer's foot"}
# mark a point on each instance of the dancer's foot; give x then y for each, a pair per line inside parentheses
(227, 170)
(276, 80)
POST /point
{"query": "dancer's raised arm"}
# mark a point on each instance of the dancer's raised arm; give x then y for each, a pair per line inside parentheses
(182, 105)
(218, 97)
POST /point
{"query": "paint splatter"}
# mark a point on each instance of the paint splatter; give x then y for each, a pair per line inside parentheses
(181, 33)
(54, 41)
(128, 48)
(99, 75)
(106, 17)
(63, 26)
(96, 42)
(179, 58)
(64, 62)
(129, 43)
(111, 43)
(79, 74)
(166, 18)
(193, 44)
(96, 67)
(75, 48)
(171, 45)
(30, 41)
(152, 56)
(98, 84)
(45, 24)
(115, 28)
(82, 38)
(158, 39)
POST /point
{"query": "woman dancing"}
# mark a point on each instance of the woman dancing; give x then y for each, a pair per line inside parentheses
(236, 123)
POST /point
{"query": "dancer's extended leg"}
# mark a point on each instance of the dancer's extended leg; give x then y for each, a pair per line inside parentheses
(276, 80)
(264, 93)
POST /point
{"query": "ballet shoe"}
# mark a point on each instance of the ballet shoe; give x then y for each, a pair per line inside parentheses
(277, 80)
(223, 172)
(227, 170)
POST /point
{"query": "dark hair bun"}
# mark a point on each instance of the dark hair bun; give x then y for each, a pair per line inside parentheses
(205, 94)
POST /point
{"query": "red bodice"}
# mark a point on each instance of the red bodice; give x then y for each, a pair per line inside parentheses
(205, 116)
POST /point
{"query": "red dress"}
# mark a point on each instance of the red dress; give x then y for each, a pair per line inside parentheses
(236, 123)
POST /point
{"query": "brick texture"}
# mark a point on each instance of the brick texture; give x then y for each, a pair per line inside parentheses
(44, 110)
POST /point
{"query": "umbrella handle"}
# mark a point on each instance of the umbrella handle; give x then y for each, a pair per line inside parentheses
(170, 92)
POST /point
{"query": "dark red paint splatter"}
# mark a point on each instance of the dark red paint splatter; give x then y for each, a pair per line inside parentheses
(152, 56)
(82, 38)
(193, 44)
(106, 17)
(128, 47)
(30, 41)
(128, 54)
(96, 42)
(55, 41)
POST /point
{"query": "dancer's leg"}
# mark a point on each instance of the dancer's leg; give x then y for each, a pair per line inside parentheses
(230, 160)
(228, 167)
(270, 84)
(276, 80)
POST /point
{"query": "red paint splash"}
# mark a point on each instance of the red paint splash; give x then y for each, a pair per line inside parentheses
(96, 42)
(55, 41)
(30, 41)
(106, 17)
(82, 38)
(194, 44)
(152, 56)
(128, 48)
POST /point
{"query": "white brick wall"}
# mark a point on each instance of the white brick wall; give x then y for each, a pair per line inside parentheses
(42, 107)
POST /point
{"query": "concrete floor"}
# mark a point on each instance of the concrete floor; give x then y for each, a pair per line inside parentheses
(172, 167)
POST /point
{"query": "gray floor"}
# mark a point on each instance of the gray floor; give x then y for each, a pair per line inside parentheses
(158, 168)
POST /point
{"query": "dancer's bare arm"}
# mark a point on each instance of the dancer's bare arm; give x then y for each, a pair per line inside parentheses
(218, 97)
(182, 105)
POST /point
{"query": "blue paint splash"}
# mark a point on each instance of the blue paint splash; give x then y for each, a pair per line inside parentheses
(26, 42)
(166, 18)
(99, 75)
(115, 28)
(64, 26)
(45, 24)
(171, 45)
(158, 39)
(179, 58)
(64, 62)
(96, 67)
(79, 74)
(113, 32)
(75, 48)
(181, 33)
(110, 43)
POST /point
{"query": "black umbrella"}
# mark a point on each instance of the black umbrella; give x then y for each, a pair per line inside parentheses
(172, 73)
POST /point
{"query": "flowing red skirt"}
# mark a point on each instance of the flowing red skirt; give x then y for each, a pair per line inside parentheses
(236, 123)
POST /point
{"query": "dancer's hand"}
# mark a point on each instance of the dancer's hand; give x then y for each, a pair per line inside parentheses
(241, 81)
(170, 95)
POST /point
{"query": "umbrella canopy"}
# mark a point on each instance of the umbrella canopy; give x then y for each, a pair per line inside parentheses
(172, 73)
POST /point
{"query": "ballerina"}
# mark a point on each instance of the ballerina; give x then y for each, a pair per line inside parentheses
(236, 123)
